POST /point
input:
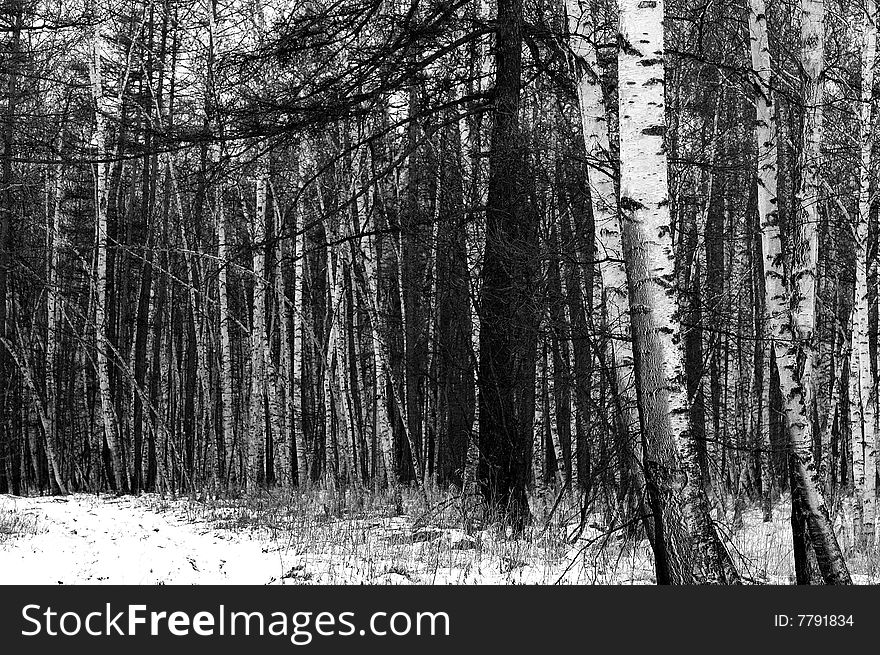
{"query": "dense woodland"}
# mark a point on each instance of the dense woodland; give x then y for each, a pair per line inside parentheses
(507, 248)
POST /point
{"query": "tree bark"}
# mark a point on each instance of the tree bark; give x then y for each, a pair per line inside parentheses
(781, 320)
(508, 333)
(862, 386)
(102, 281)
(256, 444)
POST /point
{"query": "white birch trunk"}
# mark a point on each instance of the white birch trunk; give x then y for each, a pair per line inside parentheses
(226, 395)
(54, 239)
(343, 382)
(804, 266)
(539, 463)
(299, 343)
(257, 437)
(578, 414)
(812, 60)
(274, 379)
(781, 320)
(101, 201)
(284, 452)
(650, 267)
(339, 380)
(609, 249)
(766, 137)
(550, 372)
(862, 387)
(644, 186)
(474, 246)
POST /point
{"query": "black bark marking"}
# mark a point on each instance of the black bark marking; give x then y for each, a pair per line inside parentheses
(628, 204)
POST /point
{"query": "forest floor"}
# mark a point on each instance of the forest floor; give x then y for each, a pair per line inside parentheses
(312, 539)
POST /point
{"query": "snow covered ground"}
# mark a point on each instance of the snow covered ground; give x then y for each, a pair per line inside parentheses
(88, 539)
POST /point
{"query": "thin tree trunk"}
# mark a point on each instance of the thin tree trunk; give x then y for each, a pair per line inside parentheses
(102, 282)
(298, 334)
(862, 386)
(54, 239)
(256, 445)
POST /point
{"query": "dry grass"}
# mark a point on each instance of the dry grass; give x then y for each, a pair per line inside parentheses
(321, 535)
(365, 536)
(14, 523)
(765, 554)
(362, 536)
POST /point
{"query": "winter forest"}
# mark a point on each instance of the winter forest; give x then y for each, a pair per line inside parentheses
(555, 283)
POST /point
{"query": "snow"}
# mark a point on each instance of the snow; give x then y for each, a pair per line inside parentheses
(88, 539)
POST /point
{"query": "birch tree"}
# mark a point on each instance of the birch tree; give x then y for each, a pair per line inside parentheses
(603, 196)
(102, 152)
(862, 386)
(227, 429)
(54, 238)
(256, 444)
(671, 463)
(781, 321)
(298, 342)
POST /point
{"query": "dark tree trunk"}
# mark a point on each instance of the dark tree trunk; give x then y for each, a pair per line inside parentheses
(455, 361)
(8, 450)
(577, 231)
(415, 244)
(508, 327)
(693, 351)
(803, 565)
